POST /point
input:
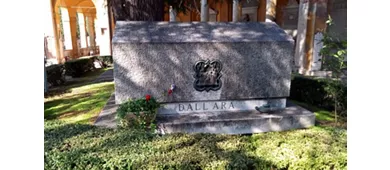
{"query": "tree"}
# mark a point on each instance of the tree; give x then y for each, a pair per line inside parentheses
(137, 10)
(334, 52)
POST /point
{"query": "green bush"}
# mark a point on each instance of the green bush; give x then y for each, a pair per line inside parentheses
(138, 114)
(106, 60)
(78, 146)
(323, 93)
(55, 74)
(80, 66)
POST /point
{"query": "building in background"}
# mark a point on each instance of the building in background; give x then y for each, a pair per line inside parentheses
(76, 28)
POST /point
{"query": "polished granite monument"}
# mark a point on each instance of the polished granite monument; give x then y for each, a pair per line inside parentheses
(212, 77)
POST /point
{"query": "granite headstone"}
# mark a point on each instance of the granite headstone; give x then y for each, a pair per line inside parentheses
(216, 67)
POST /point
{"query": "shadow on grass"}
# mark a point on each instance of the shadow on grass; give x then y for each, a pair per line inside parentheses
(78, 146)
(85, 80)
(324, 117)
(85, 146)
(89, 101)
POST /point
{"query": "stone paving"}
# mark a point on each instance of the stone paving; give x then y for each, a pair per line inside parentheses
(107, 76)
(106, 117)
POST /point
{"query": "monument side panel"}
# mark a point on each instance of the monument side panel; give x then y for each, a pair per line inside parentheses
(249, 70)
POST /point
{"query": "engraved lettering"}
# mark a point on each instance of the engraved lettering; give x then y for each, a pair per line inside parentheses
(196, 106)
(204, 106)
(215, 106)
(181, 107)
(189, 106)
(223, 105)
(231, 105)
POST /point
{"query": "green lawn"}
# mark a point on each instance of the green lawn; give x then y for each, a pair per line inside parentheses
(71, 142)
(78, 101)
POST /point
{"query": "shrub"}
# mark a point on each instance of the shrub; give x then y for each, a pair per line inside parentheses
(55, 74)
(78, 146)
(80, 66)
(138, 114)
(323, 93)
(106, 60)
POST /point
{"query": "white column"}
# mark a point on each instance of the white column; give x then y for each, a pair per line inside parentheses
(172, 14)
(66, 28)
(269, 16)
(103, 30)
(235, 11)
(91, 31)
(317, 58)
(301, 34)
(204, 11)
(83, 35)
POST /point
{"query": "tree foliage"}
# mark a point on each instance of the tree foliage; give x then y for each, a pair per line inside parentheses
(137, 10)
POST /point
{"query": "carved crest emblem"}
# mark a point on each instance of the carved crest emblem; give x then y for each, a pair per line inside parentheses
(207, 75)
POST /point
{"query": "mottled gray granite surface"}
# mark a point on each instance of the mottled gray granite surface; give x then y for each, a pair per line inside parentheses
(256, 59)
(195, 32)
(292, 117)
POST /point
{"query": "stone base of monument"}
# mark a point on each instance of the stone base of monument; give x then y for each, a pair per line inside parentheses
(245, 122)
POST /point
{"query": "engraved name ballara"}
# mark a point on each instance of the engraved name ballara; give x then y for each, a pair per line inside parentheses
(207, 75)
(205, 107)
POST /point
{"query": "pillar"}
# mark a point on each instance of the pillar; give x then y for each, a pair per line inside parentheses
(73, 31)
(58, 37)
(103, 31)
(301, 34)
(320, 27)
(172, 14)
(317, 58)
(279, 12)
(261, 10)
(235, 11)
(86, 30)
(204, 11)
(223, 12)
(270, 11)
(91, 30)
(53, 31)
(309, 44)
(97, 38)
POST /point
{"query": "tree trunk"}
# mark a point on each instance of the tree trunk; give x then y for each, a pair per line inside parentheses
(138, 10)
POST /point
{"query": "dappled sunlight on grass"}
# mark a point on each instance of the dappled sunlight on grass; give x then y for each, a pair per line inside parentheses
(324, 117)
(89, 147)
(307, 146)
(82, 105)
(67, 89)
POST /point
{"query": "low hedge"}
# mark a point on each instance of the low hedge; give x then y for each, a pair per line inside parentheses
(55, 74)
(319, 92)
(106, 60)
(80, 66)
(78, 146)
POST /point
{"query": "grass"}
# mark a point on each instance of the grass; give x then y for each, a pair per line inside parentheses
(81, 146)
(71, 142)
(75, 82)
(80, 101)
(82, 105)
(324, 117)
